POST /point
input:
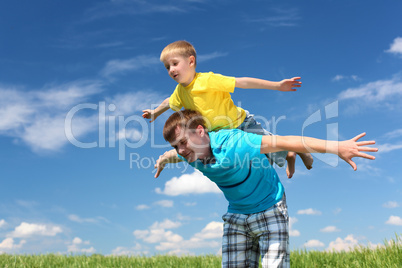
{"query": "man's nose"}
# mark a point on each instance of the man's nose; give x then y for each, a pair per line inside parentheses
(181, 149)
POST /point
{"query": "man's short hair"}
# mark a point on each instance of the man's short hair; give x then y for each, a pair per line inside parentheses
(186, 119)
(181, 47)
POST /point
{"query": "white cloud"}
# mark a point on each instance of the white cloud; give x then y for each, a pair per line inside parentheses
(114, 67)
(37, 117)
(75, 246)
(166, 224)
(130, 103)
(330, 229)
(142, 207)
(194, 183)
(9, 244)
(31, 229)
(337, 211)
(393, 134)
(279, 18)
(313, 244)
(166, 240)
(65, 95)
(391, 204)
(50, 118)
(78, 219)
(2, 223)
(157, 232)
(207, 57)
(136, 250)
(374, 92)
(309, 211)
(117, 8)
(165, 203)
(394, 220)
(396, 46)
(129, 134)
(158, 235)
(293, 232)
(212, 230)
(387, 147)
(340, 244)
(340, 77)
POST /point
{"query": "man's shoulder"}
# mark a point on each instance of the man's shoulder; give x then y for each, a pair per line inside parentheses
(228, 136)
(235, 142)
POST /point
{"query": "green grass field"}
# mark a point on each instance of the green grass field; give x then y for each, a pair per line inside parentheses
(388, 256)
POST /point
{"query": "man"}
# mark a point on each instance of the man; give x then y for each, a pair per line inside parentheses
(257, 220)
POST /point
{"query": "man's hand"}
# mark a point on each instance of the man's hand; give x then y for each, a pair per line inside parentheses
(289, 84)
(160, 165)
(352, 148)
(167, 157)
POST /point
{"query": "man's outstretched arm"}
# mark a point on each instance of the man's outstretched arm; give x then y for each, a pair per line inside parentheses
(346, 150)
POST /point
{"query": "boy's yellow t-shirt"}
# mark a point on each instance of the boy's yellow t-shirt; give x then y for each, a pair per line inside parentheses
(209, 94)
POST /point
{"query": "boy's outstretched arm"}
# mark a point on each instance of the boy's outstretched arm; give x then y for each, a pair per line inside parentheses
(166, 158)
(346, 150)
(284, 85)
(153, 114)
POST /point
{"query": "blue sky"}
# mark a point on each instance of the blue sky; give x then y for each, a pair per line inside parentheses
(76, 158)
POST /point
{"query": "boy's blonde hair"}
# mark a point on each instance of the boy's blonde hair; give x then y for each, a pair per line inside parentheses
(181, 47)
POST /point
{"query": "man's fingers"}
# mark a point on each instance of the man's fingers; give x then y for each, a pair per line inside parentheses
(368, 149)
(366, 156)
(359, 136)
(157, 173)
(352, 164)
(362, 143)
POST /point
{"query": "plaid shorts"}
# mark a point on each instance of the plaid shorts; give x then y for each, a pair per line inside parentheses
(246, 237)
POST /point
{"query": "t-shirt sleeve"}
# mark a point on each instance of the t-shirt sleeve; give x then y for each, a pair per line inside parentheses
(175, 102)
(220, 82)
(239, 144)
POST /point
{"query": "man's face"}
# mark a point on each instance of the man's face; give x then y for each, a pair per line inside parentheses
(192, 144)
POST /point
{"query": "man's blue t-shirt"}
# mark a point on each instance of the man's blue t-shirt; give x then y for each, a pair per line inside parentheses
(245, 176)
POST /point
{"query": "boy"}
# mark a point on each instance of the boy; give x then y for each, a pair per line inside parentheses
(257, 220)
(208, 93)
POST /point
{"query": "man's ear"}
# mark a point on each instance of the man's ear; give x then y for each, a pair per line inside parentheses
(200, 130)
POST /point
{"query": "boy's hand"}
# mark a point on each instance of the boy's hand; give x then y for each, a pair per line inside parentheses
(352, 148)
(148, 114)
(289, 84)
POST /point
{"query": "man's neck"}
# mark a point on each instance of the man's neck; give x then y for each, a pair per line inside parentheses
(209, 158)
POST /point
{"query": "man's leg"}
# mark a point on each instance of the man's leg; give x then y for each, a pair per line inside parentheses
(274, 244)
(239, 249)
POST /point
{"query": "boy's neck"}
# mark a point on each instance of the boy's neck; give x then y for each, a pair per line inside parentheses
(188, 83)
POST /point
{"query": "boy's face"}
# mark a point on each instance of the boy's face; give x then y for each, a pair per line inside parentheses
(192, 144)
(181, 69)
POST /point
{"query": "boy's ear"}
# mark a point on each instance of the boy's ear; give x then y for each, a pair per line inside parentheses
(192, 60)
